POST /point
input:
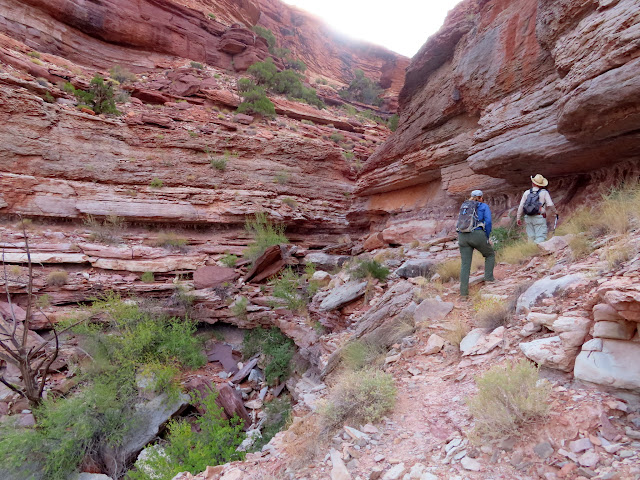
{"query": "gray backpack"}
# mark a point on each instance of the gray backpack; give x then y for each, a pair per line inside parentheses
(468, 217)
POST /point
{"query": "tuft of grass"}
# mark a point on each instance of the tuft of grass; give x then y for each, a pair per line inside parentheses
(492, 313)
(278, 415)
(265, 234)
(509, 396)
(197, 65)
(108, 231)
(229, 260)
(239, 308)
(616, 256)
(286, 287)
(618, 212)
(281, 178)
(449, 270)
(518, 252)
(171, 240)
(290, 202)
(148, 277)
(370, 269)
(359, 397)
(156, 183)
(219, 163)
(457, 329)
(359, 354)
(58, 278)
(580, 247)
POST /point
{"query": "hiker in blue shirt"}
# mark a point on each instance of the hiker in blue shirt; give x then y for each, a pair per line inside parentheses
(474, 227)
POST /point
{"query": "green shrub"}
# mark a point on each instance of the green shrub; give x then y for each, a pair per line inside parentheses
(278, 414)
(362, 89)
(277, 349)
(49, 98)
(213, 441)
(256, 102)
(121, 74)
(492, 313)
(509, 396)
(211, 16)
(265, 234)
(336, 137)
(245, 84)
(359, 397)
(99, 98)
(229, 260)
(34, 54)
(370, 115)
(281, 178)
(58, 278)
(266, 34)
(505, 236)
(172, 241)
(239, 308)
(197, 65)
(156, 183)
(359, 354)
(219, 163)
(286, 287)
(148, 277)
(370, 269)
(393, 122)
(295, 64)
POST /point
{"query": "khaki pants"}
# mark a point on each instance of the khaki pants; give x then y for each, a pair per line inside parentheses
(536, 228)
(468, 242)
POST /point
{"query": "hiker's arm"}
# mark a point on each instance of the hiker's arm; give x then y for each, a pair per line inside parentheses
(550, 208)
(487, 220)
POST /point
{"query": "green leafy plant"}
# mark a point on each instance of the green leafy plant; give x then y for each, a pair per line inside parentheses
(370, 269)
(213, 441)
(256, 102)
(265, 234)
(359, 354)
(276, 348)
(266, 34)
(229, 260)
(509, 396)
(336, 137)
(239, 308)
(156, 183)
(286, 287)
(281, 178)
(197, 65)
(148, 277)
(393, 122)
(278, 414)
(362, 89)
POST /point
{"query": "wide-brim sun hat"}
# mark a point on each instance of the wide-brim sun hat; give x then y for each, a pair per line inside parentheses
(540, 181)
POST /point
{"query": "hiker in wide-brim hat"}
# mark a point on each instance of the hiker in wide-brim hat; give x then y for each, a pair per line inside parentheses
(534, 206)
(474, 229)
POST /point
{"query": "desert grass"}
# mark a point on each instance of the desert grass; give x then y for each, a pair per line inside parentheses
(509, 396)
(518, 252)
(57, 278)
(457, 329)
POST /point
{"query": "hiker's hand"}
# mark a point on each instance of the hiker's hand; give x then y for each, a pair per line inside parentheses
(544, 215)
(519, 222)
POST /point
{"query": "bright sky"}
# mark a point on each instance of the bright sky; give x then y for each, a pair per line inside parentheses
(400, 25)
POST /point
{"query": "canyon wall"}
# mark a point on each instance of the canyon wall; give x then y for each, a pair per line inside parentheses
(505, 90)
(154, 34)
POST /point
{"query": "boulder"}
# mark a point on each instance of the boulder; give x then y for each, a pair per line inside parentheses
(338, 470)
(213, 276)
(615, 364)
(269, 263)
(320, 278)
(417, 268)
(343, 294)
(470, 340)
(324, 261)
(544, 288)
(626, 303)
(550, 352)
(374, 241)
(555, 244)
(434, 345)
(486, 342)
(605, 312)
(620, 330)
(432, 310)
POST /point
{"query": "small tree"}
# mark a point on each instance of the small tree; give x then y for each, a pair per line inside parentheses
(33, 360)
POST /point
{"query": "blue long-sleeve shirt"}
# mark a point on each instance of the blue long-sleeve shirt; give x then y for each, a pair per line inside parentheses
(484, 216)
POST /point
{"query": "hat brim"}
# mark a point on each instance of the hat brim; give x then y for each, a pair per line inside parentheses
(543, 184)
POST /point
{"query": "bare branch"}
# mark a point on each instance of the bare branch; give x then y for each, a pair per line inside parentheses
(11, 387)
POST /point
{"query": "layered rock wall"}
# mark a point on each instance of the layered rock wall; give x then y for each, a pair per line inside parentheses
(505, 90)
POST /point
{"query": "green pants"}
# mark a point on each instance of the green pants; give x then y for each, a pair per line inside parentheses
(468, 242)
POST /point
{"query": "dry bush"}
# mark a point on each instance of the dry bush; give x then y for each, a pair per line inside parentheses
(616, 256)
(450, 269)
(618, 212)
(509, 396)
(518, 252)
(304, 441)
(359, 397)
(108, 231)
(57, 278)
(580, 247)
(457, 329)
(492, 312)
(172, 241)
(359, 354)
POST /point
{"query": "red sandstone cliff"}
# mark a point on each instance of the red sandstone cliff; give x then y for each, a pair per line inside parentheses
(146, 34)
(504, 90)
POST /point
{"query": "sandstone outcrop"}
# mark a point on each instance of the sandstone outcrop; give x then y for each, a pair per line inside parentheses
(502, 91)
